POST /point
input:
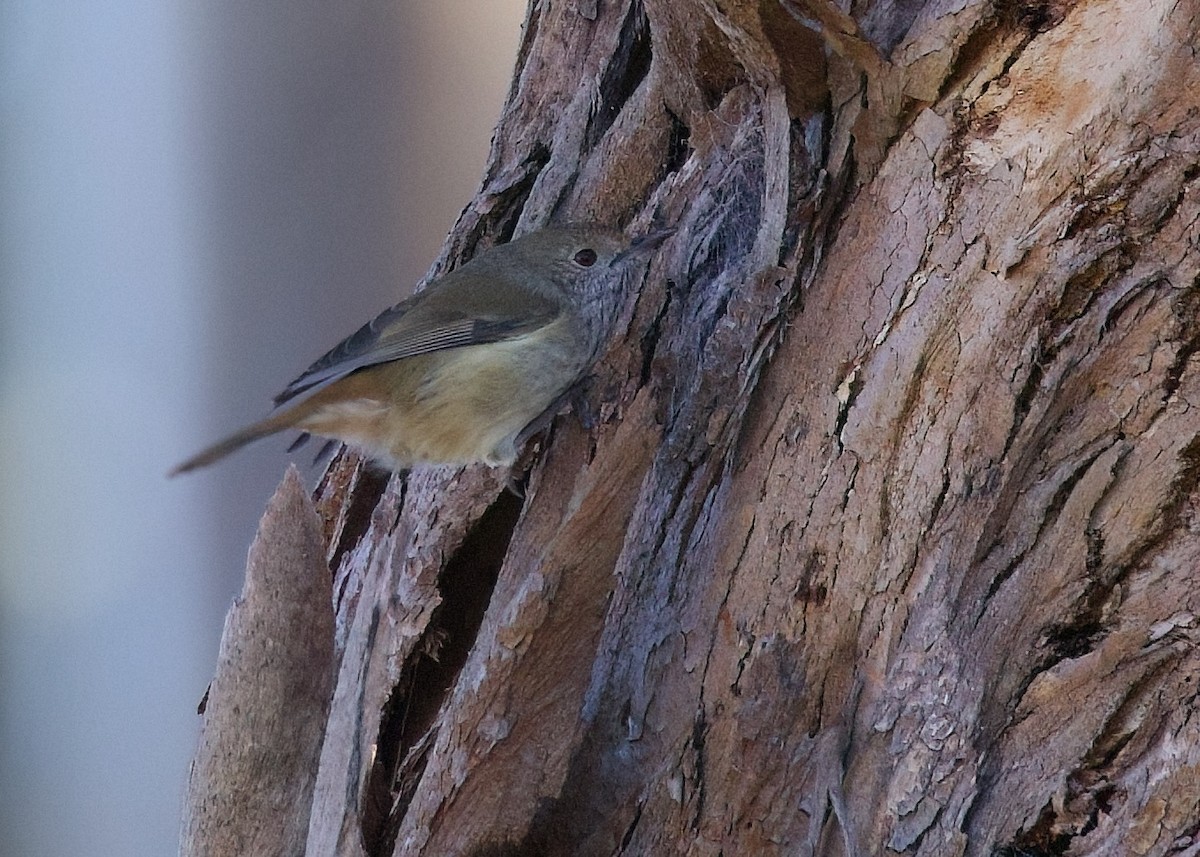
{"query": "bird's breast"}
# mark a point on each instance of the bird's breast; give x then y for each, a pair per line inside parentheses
(465, 404)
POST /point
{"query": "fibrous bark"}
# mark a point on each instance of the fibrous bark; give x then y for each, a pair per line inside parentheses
(886, 540)
(251, 783)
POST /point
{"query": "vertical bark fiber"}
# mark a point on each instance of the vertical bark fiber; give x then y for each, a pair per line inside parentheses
(887, 538)
(251, 783)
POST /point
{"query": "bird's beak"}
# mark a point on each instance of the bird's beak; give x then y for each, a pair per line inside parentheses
(644, 244)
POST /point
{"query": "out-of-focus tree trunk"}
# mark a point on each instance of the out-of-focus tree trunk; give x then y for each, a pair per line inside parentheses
(887, 538)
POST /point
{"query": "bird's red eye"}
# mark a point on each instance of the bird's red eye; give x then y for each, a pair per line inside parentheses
(586, 257)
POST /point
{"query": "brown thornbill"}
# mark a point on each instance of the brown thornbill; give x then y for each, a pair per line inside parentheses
(457, 372)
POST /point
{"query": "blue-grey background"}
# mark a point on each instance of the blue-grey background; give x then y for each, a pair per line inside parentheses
(196, 200)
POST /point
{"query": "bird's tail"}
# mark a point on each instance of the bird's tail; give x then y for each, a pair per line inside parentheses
(272, 424)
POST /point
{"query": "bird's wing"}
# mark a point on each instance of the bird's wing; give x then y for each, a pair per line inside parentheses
(454, 315)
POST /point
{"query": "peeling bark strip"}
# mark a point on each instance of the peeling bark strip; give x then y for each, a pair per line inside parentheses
(264, 718)
(887, 539)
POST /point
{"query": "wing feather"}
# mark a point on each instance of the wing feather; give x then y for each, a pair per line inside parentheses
(435, 320)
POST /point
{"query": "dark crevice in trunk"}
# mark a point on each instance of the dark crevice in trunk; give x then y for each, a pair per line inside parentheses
(410, 718)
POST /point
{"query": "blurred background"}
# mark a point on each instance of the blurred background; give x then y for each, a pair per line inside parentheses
(196, 200)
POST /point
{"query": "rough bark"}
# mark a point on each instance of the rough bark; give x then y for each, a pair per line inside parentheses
(886, 540)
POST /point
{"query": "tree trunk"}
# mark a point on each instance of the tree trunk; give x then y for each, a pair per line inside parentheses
(886, 540)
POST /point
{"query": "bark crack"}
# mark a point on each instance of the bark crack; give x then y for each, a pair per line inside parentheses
(412, 715)
(626, 69)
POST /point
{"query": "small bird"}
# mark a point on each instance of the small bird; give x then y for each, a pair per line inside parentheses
(457, 372)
